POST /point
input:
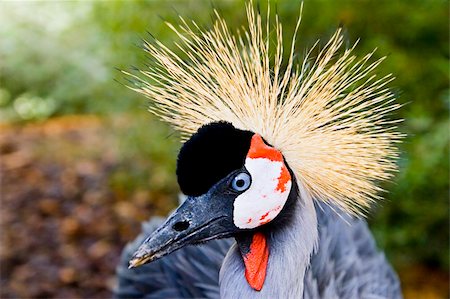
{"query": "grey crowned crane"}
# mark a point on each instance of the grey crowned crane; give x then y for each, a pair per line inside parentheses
(277, 166)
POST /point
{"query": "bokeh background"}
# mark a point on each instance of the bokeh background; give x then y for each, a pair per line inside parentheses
(83, 162)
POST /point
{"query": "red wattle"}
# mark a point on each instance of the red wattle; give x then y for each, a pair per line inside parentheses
(256, 261)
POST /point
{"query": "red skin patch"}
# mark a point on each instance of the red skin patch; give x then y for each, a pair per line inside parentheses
(264, 219)
(264, 216)
(256, 261)
(258, 149)
(284, 177)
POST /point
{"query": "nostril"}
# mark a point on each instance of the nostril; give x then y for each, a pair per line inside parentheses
(181, 226)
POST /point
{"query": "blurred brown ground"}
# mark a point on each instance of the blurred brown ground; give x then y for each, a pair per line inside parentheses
(63, 224)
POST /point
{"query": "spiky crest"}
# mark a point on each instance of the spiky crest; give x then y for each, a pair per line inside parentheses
(328, 117)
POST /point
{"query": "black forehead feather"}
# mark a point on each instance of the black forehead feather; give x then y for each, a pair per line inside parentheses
(214, 151)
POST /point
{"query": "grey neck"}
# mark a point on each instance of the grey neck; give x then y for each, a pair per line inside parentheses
(290, 253)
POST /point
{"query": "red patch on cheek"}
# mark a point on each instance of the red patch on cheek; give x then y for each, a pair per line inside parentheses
(283, 179)
(265, 221)
(264, 216)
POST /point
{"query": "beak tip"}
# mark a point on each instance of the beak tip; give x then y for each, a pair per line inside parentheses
(137, 259)
(131, 264)
(142, 256)
(135, 262)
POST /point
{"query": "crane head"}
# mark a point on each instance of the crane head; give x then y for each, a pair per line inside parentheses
(236, 186)
(328, 117)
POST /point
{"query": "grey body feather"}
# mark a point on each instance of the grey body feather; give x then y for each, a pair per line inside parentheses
(346, 264)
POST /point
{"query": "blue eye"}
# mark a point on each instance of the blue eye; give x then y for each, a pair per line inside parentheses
(241, 182)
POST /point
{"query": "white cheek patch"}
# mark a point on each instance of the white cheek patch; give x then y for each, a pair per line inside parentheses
(269, 191)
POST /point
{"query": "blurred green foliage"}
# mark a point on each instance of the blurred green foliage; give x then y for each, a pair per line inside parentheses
(59, 58)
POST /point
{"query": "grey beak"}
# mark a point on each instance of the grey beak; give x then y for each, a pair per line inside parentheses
(198, 219)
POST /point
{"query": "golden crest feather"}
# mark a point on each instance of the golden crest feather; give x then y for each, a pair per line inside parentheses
(328, 117)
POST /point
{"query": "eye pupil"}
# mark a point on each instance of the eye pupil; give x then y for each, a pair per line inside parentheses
(240, 183)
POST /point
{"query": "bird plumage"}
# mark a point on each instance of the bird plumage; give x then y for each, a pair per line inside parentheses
(283, 159)
(346, 264)
(328, 115)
